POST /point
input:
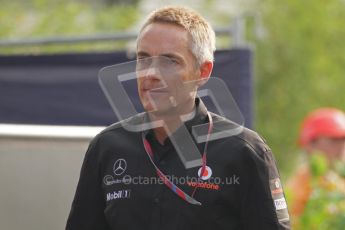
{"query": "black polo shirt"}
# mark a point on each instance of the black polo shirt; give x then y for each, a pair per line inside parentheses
(119, 187)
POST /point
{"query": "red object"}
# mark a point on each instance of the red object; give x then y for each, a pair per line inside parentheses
(324, 122)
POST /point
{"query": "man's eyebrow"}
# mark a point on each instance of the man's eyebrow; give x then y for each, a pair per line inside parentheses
(171, 55)
(142, 54)
(168, 55)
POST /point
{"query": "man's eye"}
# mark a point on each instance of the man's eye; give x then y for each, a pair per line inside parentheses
(144, 60)
(173, 61)
(143, 63)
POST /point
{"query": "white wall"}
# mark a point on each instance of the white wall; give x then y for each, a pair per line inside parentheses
(38, 177)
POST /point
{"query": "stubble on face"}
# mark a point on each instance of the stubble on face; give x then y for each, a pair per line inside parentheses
(172, 42)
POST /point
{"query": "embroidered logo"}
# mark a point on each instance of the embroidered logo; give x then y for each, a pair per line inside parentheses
(121, 194)
(120, 167)
(207, 173)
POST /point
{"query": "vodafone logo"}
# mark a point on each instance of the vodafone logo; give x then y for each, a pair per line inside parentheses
(207, 173)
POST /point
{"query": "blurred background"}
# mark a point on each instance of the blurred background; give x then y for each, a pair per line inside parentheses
(297, 59)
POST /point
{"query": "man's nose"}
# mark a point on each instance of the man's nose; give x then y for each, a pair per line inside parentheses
(152, 74)
(152, 80)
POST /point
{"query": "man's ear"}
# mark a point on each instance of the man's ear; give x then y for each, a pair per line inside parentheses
(205, 72)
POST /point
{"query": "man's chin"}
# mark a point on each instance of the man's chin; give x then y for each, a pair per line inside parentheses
(166, 111)
(162, 111)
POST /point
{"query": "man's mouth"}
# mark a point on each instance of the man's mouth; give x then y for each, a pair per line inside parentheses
(155, 90)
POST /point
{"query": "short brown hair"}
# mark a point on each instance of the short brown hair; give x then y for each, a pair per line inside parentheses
(202, 35)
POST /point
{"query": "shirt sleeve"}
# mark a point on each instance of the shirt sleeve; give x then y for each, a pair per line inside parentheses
(87, 211)
(263, 203)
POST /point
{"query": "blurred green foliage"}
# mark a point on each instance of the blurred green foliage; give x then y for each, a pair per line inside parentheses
(318, 164)
(44, 18)
(300, 66)
(325, 208)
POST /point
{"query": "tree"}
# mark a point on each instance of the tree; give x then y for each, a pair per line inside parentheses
(300, 66)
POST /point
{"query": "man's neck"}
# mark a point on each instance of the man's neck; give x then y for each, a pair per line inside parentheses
(171, 123)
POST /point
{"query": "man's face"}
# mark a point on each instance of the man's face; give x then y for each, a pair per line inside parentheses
(333, 148)
(165, 64)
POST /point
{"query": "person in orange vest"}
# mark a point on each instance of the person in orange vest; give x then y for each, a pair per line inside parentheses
(322, 131)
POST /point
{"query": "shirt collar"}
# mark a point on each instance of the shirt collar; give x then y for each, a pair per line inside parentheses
(198, 116)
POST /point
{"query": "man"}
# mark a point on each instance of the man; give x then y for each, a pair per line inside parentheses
(178, 44)
(322, 131)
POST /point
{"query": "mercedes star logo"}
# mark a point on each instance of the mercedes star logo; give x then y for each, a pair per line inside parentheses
(120, 167)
